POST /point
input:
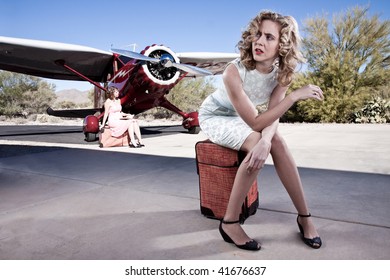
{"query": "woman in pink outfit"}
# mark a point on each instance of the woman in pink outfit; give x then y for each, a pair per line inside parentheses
(120, 122)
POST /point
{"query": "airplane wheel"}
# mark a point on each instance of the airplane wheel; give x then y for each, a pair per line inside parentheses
(194, 130)
(90, 137)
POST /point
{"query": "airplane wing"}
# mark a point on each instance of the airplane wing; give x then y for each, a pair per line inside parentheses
(40, 58)
(213, 61)
(73, 113)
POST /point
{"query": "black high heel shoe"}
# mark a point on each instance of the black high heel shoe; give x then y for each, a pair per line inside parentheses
(315, 242)
(251, 245)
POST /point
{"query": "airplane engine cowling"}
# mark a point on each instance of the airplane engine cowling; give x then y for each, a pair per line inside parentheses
(157, 72)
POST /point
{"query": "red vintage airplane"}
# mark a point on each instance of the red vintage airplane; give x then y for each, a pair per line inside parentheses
(143, 79)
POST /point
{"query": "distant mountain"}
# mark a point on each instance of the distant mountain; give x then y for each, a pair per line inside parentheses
(72, 95)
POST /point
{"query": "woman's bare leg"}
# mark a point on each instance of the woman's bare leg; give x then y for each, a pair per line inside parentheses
(288, 173)
(137, 131)
(242, 183)
(130, 129)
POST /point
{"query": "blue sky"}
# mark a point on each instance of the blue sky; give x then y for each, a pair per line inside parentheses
(184, 26)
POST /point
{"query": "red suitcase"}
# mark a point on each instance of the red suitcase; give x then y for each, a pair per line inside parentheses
(217, 167)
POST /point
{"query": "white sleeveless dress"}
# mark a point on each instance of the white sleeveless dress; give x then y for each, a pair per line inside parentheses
(217, 117)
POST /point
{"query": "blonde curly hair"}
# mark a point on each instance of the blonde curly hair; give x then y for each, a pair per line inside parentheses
(289, 54)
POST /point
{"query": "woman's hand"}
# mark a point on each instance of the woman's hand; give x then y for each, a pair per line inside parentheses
(308, 92)
(257, 156)
(128, 116)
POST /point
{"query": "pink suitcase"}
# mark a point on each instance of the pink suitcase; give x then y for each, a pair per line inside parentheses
(106, 140)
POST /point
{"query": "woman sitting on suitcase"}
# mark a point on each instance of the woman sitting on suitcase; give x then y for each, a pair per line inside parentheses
(120, 122)
(268, 57)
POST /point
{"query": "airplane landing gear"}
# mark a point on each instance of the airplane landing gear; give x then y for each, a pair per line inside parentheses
(191, 123)
(90, 128)
(90, 137)
(194, 130)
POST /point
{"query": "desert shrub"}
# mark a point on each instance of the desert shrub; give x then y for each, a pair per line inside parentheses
(376, 110)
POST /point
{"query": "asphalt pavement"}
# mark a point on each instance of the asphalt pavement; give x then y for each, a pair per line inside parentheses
(68, 200)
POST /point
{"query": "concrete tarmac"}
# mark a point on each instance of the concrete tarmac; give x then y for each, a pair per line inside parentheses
(63, 201)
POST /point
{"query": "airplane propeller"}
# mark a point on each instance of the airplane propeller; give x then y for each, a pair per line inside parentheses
(165, 60)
